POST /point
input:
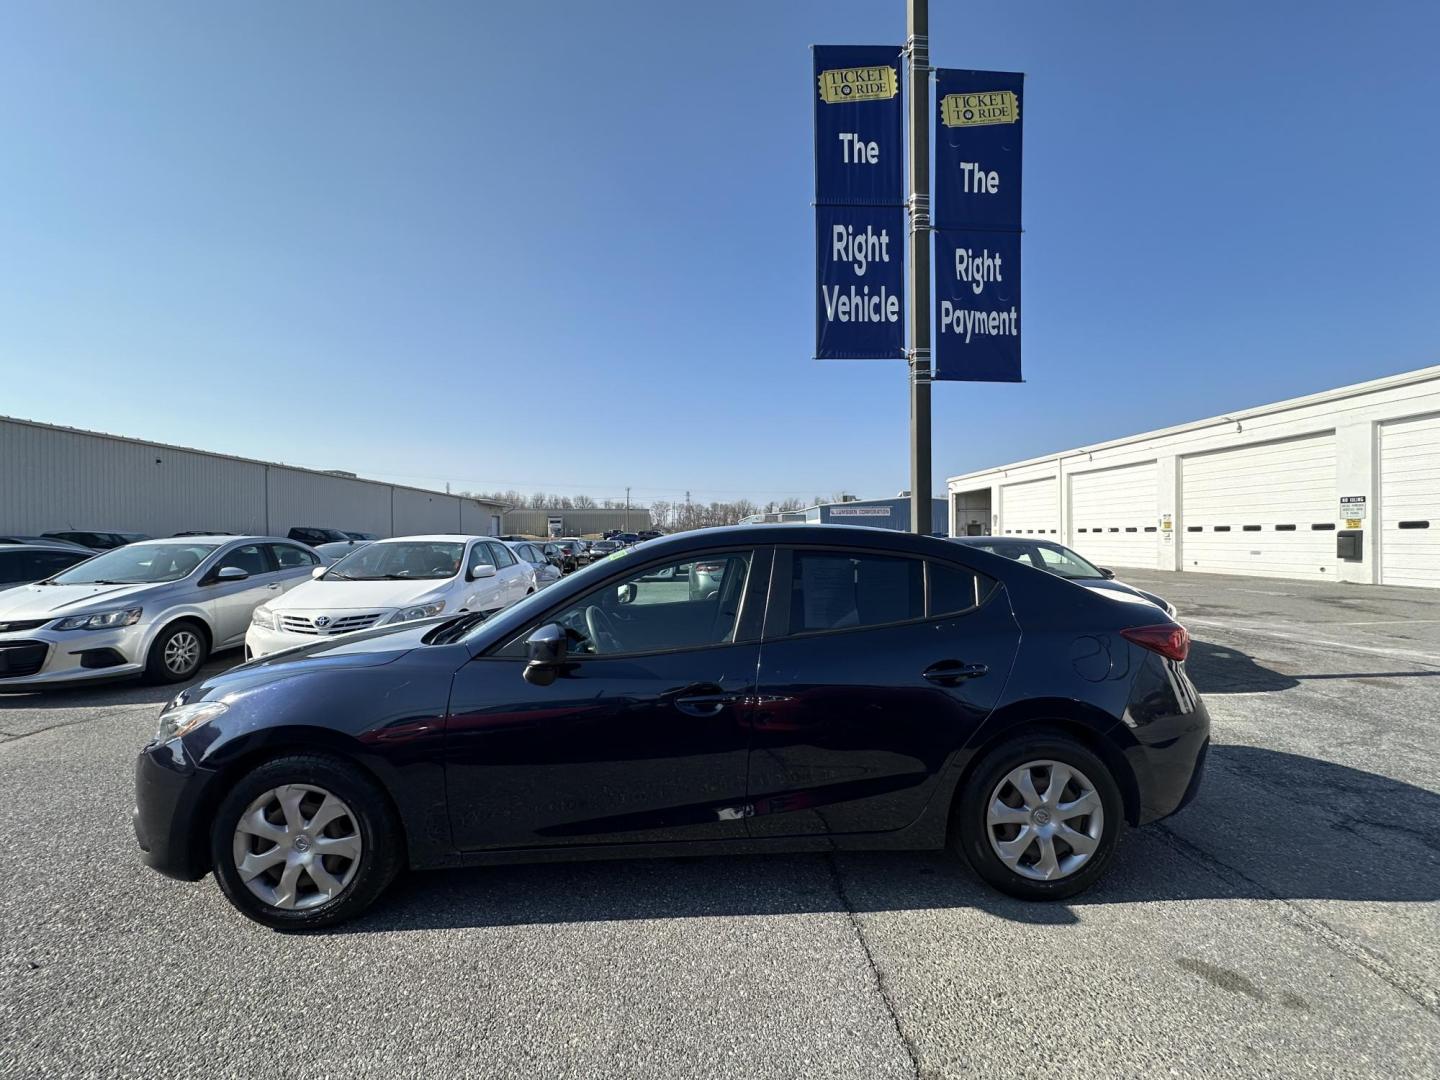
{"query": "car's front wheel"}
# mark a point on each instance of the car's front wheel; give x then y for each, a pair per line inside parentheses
(305, 841)
(177, 653)
(1039, 818)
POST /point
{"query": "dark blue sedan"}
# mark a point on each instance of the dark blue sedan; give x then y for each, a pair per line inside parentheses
(840, 688)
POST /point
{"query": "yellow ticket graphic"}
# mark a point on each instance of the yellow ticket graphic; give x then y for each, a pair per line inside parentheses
(975, 110)
(839, 86)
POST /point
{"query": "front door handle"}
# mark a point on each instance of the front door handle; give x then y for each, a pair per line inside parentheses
(953, 672)
(276, 585)
(703, 705)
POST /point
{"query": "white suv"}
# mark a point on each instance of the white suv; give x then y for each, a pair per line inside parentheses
(392, 581)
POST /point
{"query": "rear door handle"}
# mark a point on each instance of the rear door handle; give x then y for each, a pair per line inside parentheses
(276, 585)
(953, 672)
(705, 704)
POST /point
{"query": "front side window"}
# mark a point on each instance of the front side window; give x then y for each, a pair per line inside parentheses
(688, 603)
(833, 590)
(417, 560)
(138, 564)
(248, 558)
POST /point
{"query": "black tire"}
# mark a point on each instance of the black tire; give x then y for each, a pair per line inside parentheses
(970, 834)
(382, 839)
(157, 670)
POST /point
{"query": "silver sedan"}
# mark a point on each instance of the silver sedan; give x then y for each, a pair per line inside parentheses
(158, 608)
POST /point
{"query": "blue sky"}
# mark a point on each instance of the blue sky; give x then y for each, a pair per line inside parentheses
(389, 238)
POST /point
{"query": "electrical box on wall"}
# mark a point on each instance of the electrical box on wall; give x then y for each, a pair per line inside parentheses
(1350, 545)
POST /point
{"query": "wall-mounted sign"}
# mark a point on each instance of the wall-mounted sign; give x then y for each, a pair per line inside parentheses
(1351, 508)
(860, 511)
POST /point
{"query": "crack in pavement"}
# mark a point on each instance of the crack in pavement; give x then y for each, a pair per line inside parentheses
(1420, 993)
(838, 881)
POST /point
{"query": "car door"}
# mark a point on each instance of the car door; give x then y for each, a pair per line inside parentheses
(513, 574)
(231, 602)
(875, 668)
(482, 594)
(634, 740)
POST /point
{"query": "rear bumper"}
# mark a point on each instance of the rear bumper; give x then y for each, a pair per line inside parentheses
(171, 825)
(1168, 760)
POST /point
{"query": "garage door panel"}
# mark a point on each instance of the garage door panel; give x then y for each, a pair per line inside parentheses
(1030, 508)
(1410, 502)
(1113, 516)
(1255, 509)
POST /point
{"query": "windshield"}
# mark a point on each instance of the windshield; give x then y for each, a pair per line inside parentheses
(137, 564)
(409, 561)
(1062, 562)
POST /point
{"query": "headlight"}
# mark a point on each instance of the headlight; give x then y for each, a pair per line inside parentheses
(102, 620)
(263, 617)
(182, 719)
(419, 611)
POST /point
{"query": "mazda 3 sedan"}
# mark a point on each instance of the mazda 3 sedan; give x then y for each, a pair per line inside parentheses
(842, 688)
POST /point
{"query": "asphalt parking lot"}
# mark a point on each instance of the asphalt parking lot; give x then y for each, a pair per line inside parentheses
(1286, 924)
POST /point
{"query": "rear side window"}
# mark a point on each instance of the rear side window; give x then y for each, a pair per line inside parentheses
(501, 554)
(287, 556)
(954, 588)
(838, 590)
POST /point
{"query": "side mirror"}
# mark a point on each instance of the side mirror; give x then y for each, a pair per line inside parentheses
(546, 647)
(625, 594)
(483, 570)
(1106, 572)
(318, 571)
(231, 573)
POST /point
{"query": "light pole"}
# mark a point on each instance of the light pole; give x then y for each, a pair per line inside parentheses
(917, 50)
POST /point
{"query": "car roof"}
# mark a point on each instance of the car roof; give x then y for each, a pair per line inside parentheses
(219, 538)
(427, 538)
(801, 533)
(44, 545)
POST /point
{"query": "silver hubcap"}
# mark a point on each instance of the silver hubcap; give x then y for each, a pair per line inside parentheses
(1045, 820)
(297, 846)
(182, 651)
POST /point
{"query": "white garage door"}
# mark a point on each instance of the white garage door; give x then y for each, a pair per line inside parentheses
(1113, 520)
(1267, 509)
(1410, 502)
(1030, 509)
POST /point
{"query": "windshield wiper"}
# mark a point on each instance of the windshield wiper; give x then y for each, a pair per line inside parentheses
(455, 626)
(106, 581)
(338, 576)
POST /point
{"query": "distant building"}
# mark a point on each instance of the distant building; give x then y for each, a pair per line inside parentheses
(592, 522)
(876, 513)
(64, 478)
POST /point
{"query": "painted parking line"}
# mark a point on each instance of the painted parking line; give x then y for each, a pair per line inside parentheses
(1305, 638)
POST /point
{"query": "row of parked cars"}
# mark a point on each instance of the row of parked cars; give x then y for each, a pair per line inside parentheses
(160, 607)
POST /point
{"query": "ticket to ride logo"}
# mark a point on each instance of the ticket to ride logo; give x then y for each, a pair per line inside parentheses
(840, 86)
(978, 109)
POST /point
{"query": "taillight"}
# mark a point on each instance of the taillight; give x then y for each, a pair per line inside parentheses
(1172, 642)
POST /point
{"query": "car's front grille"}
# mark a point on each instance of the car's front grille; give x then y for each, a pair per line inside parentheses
(337, 624)
(21, 658)
(27, 624)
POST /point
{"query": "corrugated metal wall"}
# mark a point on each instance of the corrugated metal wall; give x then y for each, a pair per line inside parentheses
(479, 519)
(577, 522)
(54, 478)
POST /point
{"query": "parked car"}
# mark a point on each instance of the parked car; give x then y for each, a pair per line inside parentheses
(1061, 561)
(580, 546)
(309, 534)
(360, 535)
(573, 555)
(649, 534)
(625, 539)
(205, 532)
(392, 581)
(156, 607)
(845, 688)
(601, 548)
(43, 541)
(21, 564)
(334, 552)
(97, 541)
(547, 569)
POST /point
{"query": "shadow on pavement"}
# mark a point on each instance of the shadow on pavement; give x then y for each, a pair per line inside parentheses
(1241, 839)
(107, 694)
(1219, 669)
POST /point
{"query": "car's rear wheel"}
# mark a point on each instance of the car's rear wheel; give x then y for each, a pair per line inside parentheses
(1039, 818)
(305, 841)
(177, 653)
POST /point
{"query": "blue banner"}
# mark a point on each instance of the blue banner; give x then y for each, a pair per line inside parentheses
(979, 121)
(860, 282)
(977, 305)
(859, 121)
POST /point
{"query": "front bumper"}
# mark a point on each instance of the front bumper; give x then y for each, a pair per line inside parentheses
(262, 641)
(73, 655)
(171, 827)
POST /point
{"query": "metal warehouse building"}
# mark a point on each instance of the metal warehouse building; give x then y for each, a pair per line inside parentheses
(61, 478)
(876, 513)
(588, 522)
(1338, 485)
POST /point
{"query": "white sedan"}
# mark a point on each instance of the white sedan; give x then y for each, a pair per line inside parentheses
(392, 581)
